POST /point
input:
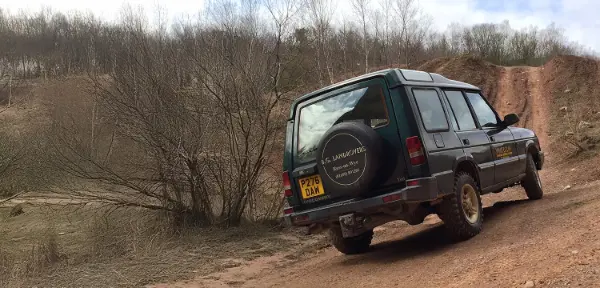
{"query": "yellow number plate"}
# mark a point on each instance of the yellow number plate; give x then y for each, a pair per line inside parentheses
(311, 186)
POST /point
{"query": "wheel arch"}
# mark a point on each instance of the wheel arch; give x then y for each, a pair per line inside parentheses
(467, 164)
(532, 147)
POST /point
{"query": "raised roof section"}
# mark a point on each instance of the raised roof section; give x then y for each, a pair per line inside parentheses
(394, 77)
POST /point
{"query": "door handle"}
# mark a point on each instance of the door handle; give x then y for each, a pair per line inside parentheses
(492, 138)
(466, 141)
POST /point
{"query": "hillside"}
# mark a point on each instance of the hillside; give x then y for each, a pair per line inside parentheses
(559, 100)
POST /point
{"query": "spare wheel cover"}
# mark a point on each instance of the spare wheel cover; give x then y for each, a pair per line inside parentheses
(349, 158)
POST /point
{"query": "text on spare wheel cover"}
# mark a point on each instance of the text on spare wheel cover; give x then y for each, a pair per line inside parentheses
(345, 167)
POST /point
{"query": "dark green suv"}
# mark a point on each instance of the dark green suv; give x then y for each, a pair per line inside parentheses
(400, 145)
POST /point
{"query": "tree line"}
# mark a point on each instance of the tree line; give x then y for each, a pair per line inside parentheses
(190, 118)
(378, 33)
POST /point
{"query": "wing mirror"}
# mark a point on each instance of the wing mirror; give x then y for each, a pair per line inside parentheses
(511, 119)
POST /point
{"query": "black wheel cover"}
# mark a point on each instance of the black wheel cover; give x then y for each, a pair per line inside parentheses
(348, 158)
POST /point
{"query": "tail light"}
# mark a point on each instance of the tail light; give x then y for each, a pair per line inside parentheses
(415, 150)
(412, 183)
(287, 185)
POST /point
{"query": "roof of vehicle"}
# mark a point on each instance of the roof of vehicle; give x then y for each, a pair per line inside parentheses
(394, 77)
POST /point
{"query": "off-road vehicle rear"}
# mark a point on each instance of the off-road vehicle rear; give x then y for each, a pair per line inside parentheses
(400, 145)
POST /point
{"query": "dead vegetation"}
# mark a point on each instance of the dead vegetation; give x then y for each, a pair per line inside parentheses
(104, 246)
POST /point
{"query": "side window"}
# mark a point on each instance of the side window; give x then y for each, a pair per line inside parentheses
(459, 106)
(430, 108)
(453, 118)
(485, 114)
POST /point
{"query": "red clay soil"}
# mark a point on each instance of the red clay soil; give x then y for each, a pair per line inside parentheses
(552, 242)
(520, 91)
(467, 69)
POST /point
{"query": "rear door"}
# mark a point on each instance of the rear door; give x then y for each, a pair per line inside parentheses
(440, 141)
(504, 150)
(474, 140)
(368, 102)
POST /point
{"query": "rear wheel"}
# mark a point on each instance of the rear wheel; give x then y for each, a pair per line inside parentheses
(352, 245)
(532, 182)
(462, 212)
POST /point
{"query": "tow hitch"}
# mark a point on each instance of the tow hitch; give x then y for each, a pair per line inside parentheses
(354, 224)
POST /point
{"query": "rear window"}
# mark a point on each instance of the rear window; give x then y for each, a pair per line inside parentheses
(430, 108)
(365, 105)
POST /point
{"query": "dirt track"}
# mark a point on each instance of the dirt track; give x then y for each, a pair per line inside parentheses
(552, 242)
(520, 91)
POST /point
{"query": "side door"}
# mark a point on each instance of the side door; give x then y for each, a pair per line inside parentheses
(441, 143)
(504, 150)
(474, 140)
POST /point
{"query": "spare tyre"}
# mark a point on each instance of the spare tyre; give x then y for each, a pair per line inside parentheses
(349, 158)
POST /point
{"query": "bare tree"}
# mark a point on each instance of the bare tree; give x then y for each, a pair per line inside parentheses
(455, 34)
(320, 15)
(361, 8)
(406, 11)
(524, 46)
(202, 150)
(488, 41)
(387, 30)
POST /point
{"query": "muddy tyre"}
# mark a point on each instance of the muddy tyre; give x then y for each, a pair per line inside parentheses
(462, 212)
(532, 182)
(352, 245)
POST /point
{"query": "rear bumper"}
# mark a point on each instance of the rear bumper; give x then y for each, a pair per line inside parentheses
(425, 190)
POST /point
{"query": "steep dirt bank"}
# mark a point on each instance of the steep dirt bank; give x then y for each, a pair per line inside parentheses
(521, 92)
(467, 69)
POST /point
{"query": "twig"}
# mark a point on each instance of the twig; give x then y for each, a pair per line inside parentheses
(12, 197)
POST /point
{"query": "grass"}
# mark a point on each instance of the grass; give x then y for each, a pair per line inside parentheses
(86, 246)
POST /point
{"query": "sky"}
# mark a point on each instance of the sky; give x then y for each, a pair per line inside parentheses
(578, 17)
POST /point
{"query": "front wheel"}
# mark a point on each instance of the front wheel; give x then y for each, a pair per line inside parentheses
(352, 245)
(532, 182)
(462, 212)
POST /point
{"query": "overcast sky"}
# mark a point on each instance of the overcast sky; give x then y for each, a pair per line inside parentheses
(578, 17)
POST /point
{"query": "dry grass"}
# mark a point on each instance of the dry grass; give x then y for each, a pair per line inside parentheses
(87, 246)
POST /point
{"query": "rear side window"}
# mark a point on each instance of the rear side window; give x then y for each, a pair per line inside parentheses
(430, 108)
(365, 105)
(461, 110)
(485, 114)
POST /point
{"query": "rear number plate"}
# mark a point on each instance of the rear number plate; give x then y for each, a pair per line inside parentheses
(311, 186)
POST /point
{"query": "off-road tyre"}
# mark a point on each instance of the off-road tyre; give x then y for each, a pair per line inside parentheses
(451, 211)
(532, 182)
(352, 245)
